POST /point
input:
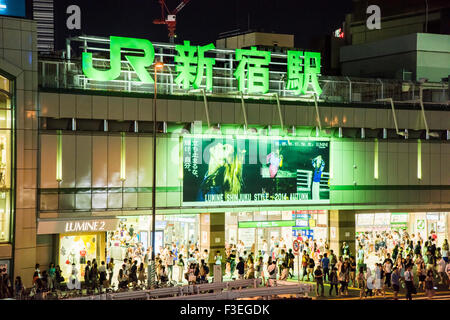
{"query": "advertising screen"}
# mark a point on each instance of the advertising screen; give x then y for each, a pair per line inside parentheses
(254, 170)
(14, 8)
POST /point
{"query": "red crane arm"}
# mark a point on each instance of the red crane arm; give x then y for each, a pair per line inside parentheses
(180, 6)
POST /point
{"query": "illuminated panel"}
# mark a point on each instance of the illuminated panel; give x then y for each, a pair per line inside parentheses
(122, 157)
(59, 156)
(419, 159)
(375, 160)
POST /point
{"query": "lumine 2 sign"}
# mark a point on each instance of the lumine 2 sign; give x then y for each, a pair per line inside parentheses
(192, 66)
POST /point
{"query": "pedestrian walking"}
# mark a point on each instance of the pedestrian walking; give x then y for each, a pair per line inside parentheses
(19, 288)
(180, 265)
(369, 283)
(429, 285)
(141, 274)
(240, 268)
(110, 270)
(395, 281)
(272, 270)
(333, 281)
(87, 276)
(102, 276)
(410, 288)
(318, 275)
(361, 283)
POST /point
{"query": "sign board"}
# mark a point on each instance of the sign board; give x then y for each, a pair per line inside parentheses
(433, 216)
(231, 171)
(420, 224)
(382, 219)
(75, 226)
(266, 224)
(301, 223)
(308, 233)
(160, 225)
(364, 219)
(198, 66)
(333, 232)
(399, 217)
(15, 8)
(296, 247)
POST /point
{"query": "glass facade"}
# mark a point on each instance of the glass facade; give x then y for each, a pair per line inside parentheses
(380, 232)
(6, 159)
(280, 227)
(133, 236)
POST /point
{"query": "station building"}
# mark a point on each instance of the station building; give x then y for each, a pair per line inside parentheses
(233, 165)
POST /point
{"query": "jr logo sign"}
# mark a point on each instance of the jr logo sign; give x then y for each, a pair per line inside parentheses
(195, 66)
(139, 63)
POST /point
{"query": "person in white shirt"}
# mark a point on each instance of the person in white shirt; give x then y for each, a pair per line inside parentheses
(169, 264)
(409, 277)
(370, 281)
(73, 282)
(264, 250)
(205, 255)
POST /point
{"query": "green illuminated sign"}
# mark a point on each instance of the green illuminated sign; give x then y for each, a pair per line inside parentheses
(192, 66)
(303, 69)
(139, 63)
(188, 65)
(257, 77)
(266, 224)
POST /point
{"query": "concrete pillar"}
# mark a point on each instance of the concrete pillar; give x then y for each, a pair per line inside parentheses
(20, 61)
(212, 236)
(342, 229)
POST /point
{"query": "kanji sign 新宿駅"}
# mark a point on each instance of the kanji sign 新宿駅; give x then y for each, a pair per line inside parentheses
(254, 71)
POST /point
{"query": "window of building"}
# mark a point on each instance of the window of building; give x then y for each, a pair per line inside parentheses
(5, 159)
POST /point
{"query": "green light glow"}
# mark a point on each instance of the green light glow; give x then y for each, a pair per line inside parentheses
(188, 65)
(375, 160)
(419, 159)
(257, 76)
(59, 156)
(301, 72)
(122, 157)
(180, 156)
(139, 63)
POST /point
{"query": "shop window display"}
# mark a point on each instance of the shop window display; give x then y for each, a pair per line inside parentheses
(76, 249)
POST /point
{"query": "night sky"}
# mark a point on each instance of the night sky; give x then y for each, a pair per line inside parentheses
(201, 21)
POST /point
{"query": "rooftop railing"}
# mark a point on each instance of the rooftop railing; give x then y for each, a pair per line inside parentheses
(67, 74)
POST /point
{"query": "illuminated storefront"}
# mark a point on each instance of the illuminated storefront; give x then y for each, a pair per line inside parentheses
(6, 159)
(134, 235)
(78, 249)
(381, 232)
(259, 230)
(78, 241)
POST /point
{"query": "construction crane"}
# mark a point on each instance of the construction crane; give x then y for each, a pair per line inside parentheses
(171, 20)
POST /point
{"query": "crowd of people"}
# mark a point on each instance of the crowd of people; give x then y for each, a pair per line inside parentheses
(405, 262)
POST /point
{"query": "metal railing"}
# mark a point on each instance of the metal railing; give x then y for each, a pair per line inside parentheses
(65, 74)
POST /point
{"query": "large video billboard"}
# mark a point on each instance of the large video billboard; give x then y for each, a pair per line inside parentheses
(14, 8)
(254, 170)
